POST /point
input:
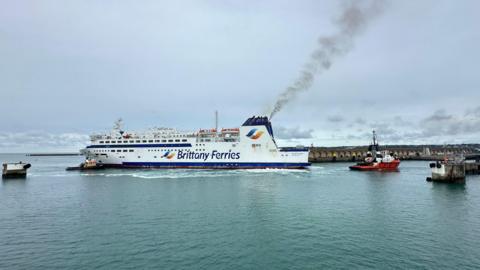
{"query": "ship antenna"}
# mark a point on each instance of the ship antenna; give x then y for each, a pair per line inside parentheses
(216, 123)
(374, 141)
(118, 125)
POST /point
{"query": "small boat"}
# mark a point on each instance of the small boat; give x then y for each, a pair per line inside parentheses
(15, 170)
(89, 164)
(377, 160)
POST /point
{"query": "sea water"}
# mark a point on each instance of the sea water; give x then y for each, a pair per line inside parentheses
(324, 217)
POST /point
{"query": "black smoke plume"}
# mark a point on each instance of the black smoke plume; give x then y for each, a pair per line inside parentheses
(354, 18)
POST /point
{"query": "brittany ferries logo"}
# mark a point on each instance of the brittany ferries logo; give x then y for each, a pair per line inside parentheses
(168, 155)
(254, 134)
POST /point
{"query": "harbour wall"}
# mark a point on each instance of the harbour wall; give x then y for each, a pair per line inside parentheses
(404, 152)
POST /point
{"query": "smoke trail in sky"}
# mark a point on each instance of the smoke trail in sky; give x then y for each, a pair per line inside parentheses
(354, 18)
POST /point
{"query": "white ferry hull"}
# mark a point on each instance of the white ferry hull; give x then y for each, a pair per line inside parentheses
(209, 165)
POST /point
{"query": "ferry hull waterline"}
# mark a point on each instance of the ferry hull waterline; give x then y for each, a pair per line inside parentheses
(252, 146)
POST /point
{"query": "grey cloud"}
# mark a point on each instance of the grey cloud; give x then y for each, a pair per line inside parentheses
(439, 124)
(360, 121)
(41, 141)
(399, 121)
(386, 133)
(293, 133)
(475, 112)
(335, 118)
(438, 116)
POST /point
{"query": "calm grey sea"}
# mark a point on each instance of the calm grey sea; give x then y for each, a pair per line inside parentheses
(326, 217)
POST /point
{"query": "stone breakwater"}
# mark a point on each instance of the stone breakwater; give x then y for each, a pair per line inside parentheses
(404, 152)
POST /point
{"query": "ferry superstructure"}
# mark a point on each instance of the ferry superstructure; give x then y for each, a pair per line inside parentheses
(251, 146)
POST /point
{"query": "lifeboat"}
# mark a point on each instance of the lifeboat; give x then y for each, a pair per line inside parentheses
(230, 130)
(208, 131)
(377, 160)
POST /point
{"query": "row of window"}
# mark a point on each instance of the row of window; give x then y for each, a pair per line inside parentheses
(143, 141)
(113, 151)
(152, 141)
(131, 150)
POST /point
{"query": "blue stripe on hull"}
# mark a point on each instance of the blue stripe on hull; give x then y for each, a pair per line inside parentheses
(214, 165)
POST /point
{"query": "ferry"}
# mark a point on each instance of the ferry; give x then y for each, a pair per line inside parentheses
(251, 146)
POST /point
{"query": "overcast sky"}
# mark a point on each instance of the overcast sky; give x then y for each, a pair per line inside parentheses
(70, 68)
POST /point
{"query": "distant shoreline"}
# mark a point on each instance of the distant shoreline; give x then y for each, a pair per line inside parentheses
(52, 154)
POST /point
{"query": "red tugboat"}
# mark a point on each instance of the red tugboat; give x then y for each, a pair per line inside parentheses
(377, 160)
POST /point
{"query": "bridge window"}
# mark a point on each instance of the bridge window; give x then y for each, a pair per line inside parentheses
(150, 140)
(184, 140)
(177, 140)
(101, 141)
(170, 140)
(107, 141)
(164, 140)
(131, 150)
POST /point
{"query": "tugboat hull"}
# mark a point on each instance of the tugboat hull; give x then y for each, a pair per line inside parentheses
(82, 167)
(381, 166)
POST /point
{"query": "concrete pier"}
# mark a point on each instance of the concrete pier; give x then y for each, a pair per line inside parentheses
(15, 170)
(447, 172)
(404, 152)
(472, 167)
